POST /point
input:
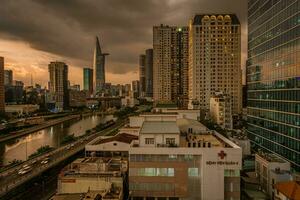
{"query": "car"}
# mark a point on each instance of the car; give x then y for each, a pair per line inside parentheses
(33, 162)
(26, 168)
(44, 161)
(72, 145)
(23, 171)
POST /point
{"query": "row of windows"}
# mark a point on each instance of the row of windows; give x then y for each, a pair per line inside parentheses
(275, 105)
(286, 25)
(275, 42)
(151, 172)
(163, 158)
(277, 84)
(286, 95)
(151, 187)
(267, 145)
(276, 116)
(277, 19)
(285, 131)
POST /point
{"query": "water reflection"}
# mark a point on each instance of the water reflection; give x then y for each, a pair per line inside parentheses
(21, 148)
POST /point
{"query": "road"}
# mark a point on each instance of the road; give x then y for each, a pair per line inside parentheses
(10, 178)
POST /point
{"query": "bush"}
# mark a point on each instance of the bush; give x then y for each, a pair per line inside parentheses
(41, 150)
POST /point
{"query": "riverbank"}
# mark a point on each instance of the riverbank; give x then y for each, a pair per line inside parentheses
(37, 128)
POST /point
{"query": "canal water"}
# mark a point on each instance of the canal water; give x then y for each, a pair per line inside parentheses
(20, 148)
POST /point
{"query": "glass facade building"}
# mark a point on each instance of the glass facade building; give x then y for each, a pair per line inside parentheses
(88, 79)
(273, 77)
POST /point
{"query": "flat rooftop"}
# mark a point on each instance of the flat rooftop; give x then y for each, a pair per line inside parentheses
(271, 157)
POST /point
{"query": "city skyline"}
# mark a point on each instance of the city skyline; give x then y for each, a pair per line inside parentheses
(124, 37)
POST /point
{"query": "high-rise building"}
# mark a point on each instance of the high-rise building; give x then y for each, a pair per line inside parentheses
(273, 78)
(88, 80)
(99, 68)
(170, 65)
(135, 88)
(2, 98)
(215, 59)
(142, 71)
(8, 77)
(149, 73)
(58, 73)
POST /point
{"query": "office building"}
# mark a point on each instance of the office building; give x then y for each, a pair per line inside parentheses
(75, 87)
(215, 59)
(142, 74)
(273, 78)
(8, 77)
(58, 73)
(220, 110)
(170, 65)
(88, 80)
(2, 92)
(149, 73)
(99, 68)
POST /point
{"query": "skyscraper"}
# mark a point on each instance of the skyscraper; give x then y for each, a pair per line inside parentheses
(99, 68)
(149, 73)
(58, 73)
(142, 70)
(273, 78)
(2, 99)
(215, 59)
(8, 77)
(170, 65)
(135, 88)
(88, 80)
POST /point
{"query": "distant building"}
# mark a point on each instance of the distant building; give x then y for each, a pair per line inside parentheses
(288, 190)
(14, 93)
(21, 109)
(127, 89)
(58, 73)
(170, 65)
(99, 68)
(220, 110)
(215, 59)
(8, 77)
(142, 74)
(2, 92)
(77, 98)
(136, 88)
(273, 78)
(149, 73)
(88, 80)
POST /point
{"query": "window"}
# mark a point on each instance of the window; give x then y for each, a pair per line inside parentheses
(193, 172)
(149, 140)
(170, 140)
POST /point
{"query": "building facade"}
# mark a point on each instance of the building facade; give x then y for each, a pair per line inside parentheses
(170, 65)
(58, 73)
(2, 98)
(149, 73)
(136, 88)
(88, 80)
(220, 110)
(273, 78)
(215, 59)
(99, 68)
(8, 77)
(142, 74)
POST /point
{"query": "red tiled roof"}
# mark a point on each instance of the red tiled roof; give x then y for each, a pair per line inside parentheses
(291, 189)
(121, 137)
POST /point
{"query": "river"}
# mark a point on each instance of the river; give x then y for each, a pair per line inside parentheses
(20, 148)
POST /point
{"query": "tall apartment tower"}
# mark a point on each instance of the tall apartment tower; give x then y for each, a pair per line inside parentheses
(273, 78)
(58, 73)
(142, 68)
(2, 98)
(88, 80)
(149, 73)
(8, 77)
(99, 68)
(215, 59)
(170, 65)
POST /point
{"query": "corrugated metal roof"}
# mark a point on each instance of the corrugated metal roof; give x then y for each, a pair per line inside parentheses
(166, 127)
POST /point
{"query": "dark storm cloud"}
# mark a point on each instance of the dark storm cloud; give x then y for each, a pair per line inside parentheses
(67, 27)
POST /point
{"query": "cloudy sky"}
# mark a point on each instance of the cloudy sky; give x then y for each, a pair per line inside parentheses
(35, 32)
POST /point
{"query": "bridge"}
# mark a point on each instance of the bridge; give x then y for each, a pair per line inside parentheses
(10, 178)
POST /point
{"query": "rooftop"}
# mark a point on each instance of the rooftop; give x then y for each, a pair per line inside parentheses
(290, 189)
(197, 20)
(270, 157)
(165, 127)
(121, 137)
